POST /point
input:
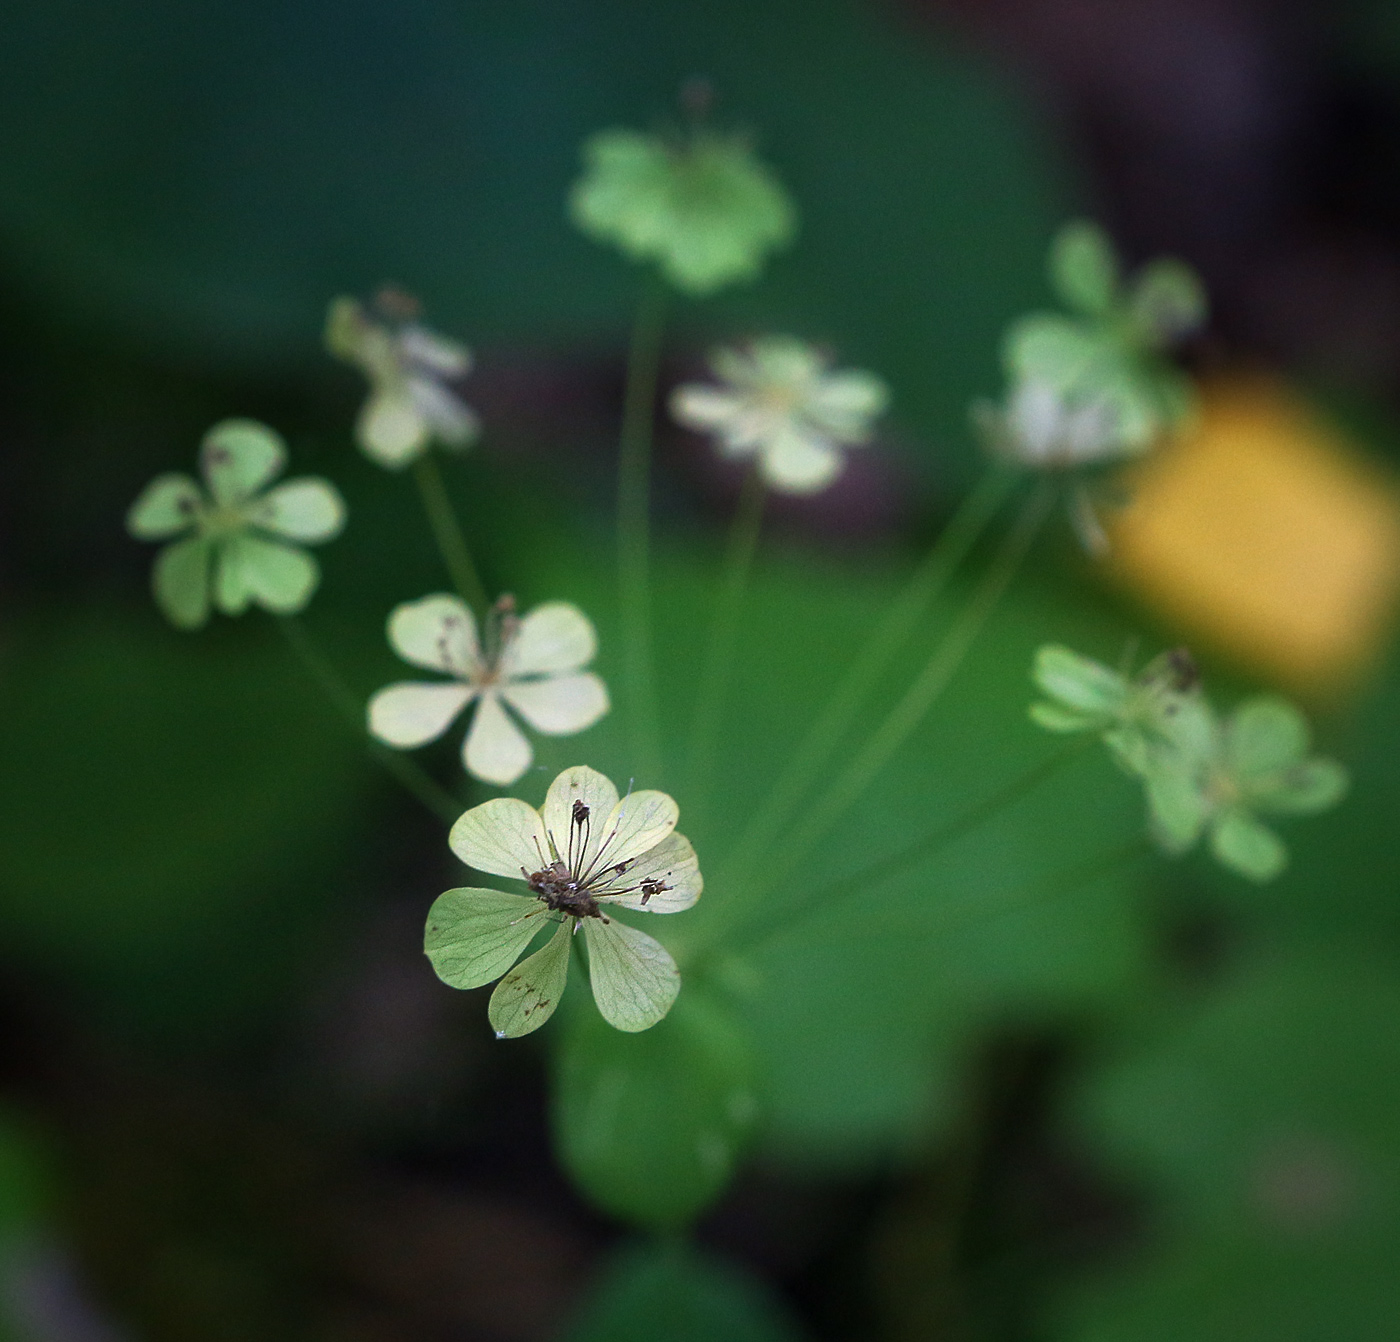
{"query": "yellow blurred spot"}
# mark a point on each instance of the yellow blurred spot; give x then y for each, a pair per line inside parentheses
(1264, 533)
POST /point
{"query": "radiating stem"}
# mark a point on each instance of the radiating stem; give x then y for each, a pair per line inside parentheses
(447, 532)
(348, 704)
(923, 693)
(900, 619)
(634, 531)
(724, 629)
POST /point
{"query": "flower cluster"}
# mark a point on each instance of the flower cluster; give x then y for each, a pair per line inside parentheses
(585, 854)
(1201, 774)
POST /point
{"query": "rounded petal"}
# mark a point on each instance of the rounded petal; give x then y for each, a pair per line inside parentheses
(1177, 807)
(308, 509)
(634, 979)
(434, 352)
(1305, 789)
(238, 457)
(412, 713)
(1265, 735)
(437, 632)
(166, 507)
(180, 581)
(671, 864)
(501, 837)
(475, 935)
(280, 578)
(1241, 843)
(555, 636)
(559, 705)
(1079, 682)
(704, 408)
(527, 996)
(1084, 267)
(495, 750)
(449, 419)
(639, 822)
(844, 404)
(390, 429)
(579, 785)
(800, 463)
(783, 361)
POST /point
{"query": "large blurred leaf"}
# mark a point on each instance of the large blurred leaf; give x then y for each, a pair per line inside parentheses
(1264, 1119)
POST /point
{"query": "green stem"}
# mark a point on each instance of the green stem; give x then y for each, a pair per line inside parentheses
(633, 529)
(724, 630)
(923, 693)
(921, 850)
(435, 797)
(451, 543)
(900, 619)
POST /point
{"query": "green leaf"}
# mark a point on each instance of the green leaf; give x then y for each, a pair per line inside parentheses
(1307, 788)
(167, 506)
(1077, 681)
(1263, 736)
(1168, 301)
(474, 935)
(1084, 268)
(529, 994)
(672, 1293)
(280, 578)
(1246, 846)
(238, 457)
(634, 979)
(180, 580)
(650, 1125)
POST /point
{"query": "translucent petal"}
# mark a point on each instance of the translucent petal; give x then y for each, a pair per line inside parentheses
(703, 408)
(555, 636)
(308, 509)
(1057, 718)
(845, 404)
(1244, 845)
(390, 428)
(434, 352)
(527, 996)
(1305, 789)
(800, 463)
(673, 864)
(1078, 682)
(412, 713)
(634, 980)
(1176, 802)
(1046, 347)
(437, 632)
(495, 750)
(1084, 268)
(475, 935)
(501, 837)
(280, 578)
(1168, 300)
(785, 361)
(636, 825)
(180, 581)
(166, 507)
(449, 419)
(238, 457)
(1265, 735)
(559, 705)
(597, 794)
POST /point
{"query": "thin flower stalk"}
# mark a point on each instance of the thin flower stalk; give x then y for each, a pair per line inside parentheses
(447, 533)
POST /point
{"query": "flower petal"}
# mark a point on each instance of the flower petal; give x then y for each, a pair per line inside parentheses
(798, 462)
(501, 837)
(180, 580)
(390, 428)
(1265, 735)
(704, 408)
(412, 713)
(673, 864)
(579, 784)
(555, 636)
(308, 509)
(475, 935)
(527, 996)
(845, 403)
(634, 979)
(238, 457)
(495, 750)
(637, 824)
(280, 578)
(439, 633)
(434, 352)
(166, 507)
(1305, 789)
(449, 418)
(1244, 845)
(558, 705)
(1079, 682)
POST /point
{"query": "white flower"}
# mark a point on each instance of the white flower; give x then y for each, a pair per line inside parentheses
(1045, 430)
(587, 851)
(533, 664)
(779, 401)
(409, 367)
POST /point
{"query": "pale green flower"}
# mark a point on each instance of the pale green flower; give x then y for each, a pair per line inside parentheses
(1113, 349)
(531, 665)
(230, 525)
(1257, 764)
(704, 208)
(585, 853)
(410, 370)
(780, 401)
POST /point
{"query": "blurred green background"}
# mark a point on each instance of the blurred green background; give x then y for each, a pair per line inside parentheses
(988, 1101)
